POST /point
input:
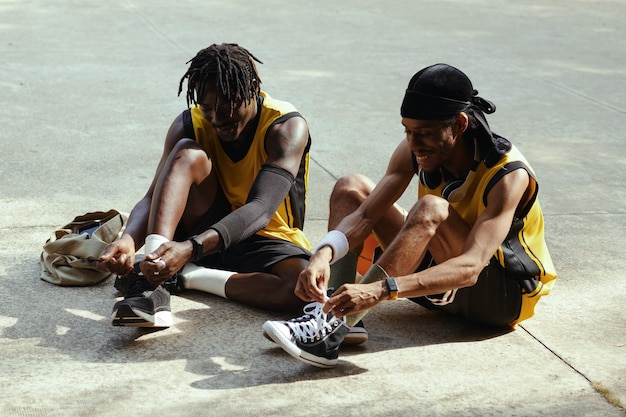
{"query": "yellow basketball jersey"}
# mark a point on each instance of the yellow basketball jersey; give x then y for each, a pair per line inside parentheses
(236, 177)
(524, 251)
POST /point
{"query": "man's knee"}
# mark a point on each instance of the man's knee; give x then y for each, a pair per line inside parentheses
(189, 158)
(188, 151)
(354, 187)
(429, 212)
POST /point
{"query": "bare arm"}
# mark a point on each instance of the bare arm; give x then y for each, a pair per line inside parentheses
(285, 144)
(357, 226)
(487, 234)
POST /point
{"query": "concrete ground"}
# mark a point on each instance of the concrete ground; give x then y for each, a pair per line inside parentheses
(88, 89)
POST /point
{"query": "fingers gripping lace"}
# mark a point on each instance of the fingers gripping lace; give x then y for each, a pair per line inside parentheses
(313, 325)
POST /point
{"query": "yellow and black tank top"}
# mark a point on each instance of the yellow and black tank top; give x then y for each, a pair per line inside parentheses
(524, 252)
(236, 177)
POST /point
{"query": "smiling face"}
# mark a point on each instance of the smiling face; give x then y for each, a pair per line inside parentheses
(229, 121)
(430, 141)
(435, 142)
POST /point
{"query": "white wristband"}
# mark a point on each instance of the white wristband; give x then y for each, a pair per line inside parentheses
(153, 242)
(338, 243)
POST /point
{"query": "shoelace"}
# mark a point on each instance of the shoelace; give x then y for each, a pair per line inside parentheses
(139, 287)
(313, 325)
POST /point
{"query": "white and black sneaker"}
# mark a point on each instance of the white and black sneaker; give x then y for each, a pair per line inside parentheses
(313, 338)
(144, 305)
(357, 335)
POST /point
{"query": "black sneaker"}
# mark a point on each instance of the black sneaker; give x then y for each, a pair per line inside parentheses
(143, 306)
(124, 283)
(313, 338)
(357, 335)
(176, 284)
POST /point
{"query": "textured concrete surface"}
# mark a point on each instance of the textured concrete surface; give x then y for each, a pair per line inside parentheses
(88, 89)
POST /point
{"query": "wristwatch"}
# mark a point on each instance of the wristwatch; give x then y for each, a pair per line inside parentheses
(197, 248)
(392, 286)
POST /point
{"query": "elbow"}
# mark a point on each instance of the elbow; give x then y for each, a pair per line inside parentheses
(260, 224)
(265, 220)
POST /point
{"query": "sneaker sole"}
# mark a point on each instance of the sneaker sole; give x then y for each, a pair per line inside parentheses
(127, 316)
(352, 338)
(274, 334)
(355, 338)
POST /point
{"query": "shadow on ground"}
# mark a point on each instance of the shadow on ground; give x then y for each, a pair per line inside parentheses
(217, 339)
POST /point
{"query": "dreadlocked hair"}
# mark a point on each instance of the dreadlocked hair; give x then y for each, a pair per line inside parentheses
(232, 69)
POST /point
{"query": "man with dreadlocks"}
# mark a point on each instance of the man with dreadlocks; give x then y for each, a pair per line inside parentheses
(473, 244)
(225, 210)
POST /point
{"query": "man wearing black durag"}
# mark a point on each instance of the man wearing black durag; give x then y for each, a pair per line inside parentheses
(472, 245)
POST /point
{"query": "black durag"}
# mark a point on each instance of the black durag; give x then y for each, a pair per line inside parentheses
(441, 91)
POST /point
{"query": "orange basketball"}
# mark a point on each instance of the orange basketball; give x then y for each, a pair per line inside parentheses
(367, 254)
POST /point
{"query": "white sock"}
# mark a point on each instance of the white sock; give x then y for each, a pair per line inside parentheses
(206, 279)
(153, 242)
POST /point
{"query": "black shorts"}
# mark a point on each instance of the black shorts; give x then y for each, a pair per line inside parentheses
(254, 254)
(495, 299)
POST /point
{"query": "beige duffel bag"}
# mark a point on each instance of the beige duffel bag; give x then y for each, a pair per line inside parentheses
(70, 255)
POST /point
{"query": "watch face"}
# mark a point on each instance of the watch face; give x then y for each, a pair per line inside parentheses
(392, 285)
